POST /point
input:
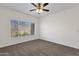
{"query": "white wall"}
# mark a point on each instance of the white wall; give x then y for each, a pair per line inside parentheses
(5, 33)
(62, 27)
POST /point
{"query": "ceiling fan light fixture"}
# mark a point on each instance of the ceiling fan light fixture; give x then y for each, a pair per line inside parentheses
(40, 7)
(39, 10)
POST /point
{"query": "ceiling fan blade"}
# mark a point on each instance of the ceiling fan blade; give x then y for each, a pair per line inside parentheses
(33, 4)
(33, 10)
(45, 10)
(45, 4)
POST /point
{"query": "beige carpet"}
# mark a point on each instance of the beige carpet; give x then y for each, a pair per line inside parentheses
(38, 48)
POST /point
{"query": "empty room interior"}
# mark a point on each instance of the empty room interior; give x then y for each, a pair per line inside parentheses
(39, 29)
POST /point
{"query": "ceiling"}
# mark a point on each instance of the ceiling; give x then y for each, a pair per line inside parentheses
(25, 7)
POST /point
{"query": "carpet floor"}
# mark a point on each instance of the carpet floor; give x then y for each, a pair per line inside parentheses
(38, 48)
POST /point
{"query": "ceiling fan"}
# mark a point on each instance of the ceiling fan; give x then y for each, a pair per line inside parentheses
(40, 7)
